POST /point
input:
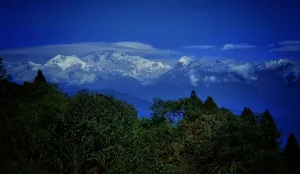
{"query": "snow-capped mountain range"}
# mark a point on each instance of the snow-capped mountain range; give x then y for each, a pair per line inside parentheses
(112, 65)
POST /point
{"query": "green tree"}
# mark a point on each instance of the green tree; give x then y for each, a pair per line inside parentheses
(192, 107)
(270, 133)
(96, 132)
(268, 159)
(197, 103)
(194, 97)
(209, 104)
(27, 117)
(166, 110)
(248, 116)
(155, 148)
(44, 131)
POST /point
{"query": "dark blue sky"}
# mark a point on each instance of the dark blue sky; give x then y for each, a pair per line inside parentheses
(162, 23)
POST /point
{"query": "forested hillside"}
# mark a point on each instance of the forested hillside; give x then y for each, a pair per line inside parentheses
(43, 130)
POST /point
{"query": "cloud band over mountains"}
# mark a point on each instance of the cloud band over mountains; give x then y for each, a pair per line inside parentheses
(288, 46)
(200, 46)
(237, 46)
(79, 48)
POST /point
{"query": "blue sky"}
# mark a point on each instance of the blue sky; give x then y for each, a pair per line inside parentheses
(165, 24)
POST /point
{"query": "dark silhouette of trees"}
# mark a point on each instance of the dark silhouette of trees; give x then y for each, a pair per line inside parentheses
(3, 74)
(209, 104)
(292, 153)
(40, 77)
(248, 116)
(194, 98)
(4, 82)
(269, 131)
(292, 146)
(193, 95)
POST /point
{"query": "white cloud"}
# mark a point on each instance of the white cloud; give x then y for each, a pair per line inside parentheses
(290, 42)
(213, 60)
(56, 74)
(287, 49)
(134, 45)
(80, 78)
(210, 78)
(287, 46)
(200, 46)
(22, 73)
(81, 48)
(237, 46)
(166, 61)
(242, 69)
(193, 79)
(228, 65)
(77, 77)
(25, 76)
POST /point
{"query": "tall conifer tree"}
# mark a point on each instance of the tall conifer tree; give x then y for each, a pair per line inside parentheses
(209, 104)
(40, 77)
(270, 133)
(248, 116)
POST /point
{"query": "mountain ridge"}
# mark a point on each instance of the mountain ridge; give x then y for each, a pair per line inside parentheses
(112, 64)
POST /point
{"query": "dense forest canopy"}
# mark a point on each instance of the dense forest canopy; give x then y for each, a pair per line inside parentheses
(43, 130)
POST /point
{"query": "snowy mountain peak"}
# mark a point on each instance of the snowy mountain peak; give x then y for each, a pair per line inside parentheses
(65, 62)
(185, 60)
(284, 67)
(276, 64)
(112, 64)
(95, 57)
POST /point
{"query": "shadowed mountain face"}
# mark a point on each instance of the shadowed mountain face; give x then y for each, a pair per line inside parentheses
(233, 84)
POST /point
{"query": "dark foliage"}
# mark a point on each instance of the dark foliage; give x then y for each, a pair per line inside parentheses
(3, 74)
(40, 77)
(209, 104)
(292, 154)
(248, 116)
(42, 130)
